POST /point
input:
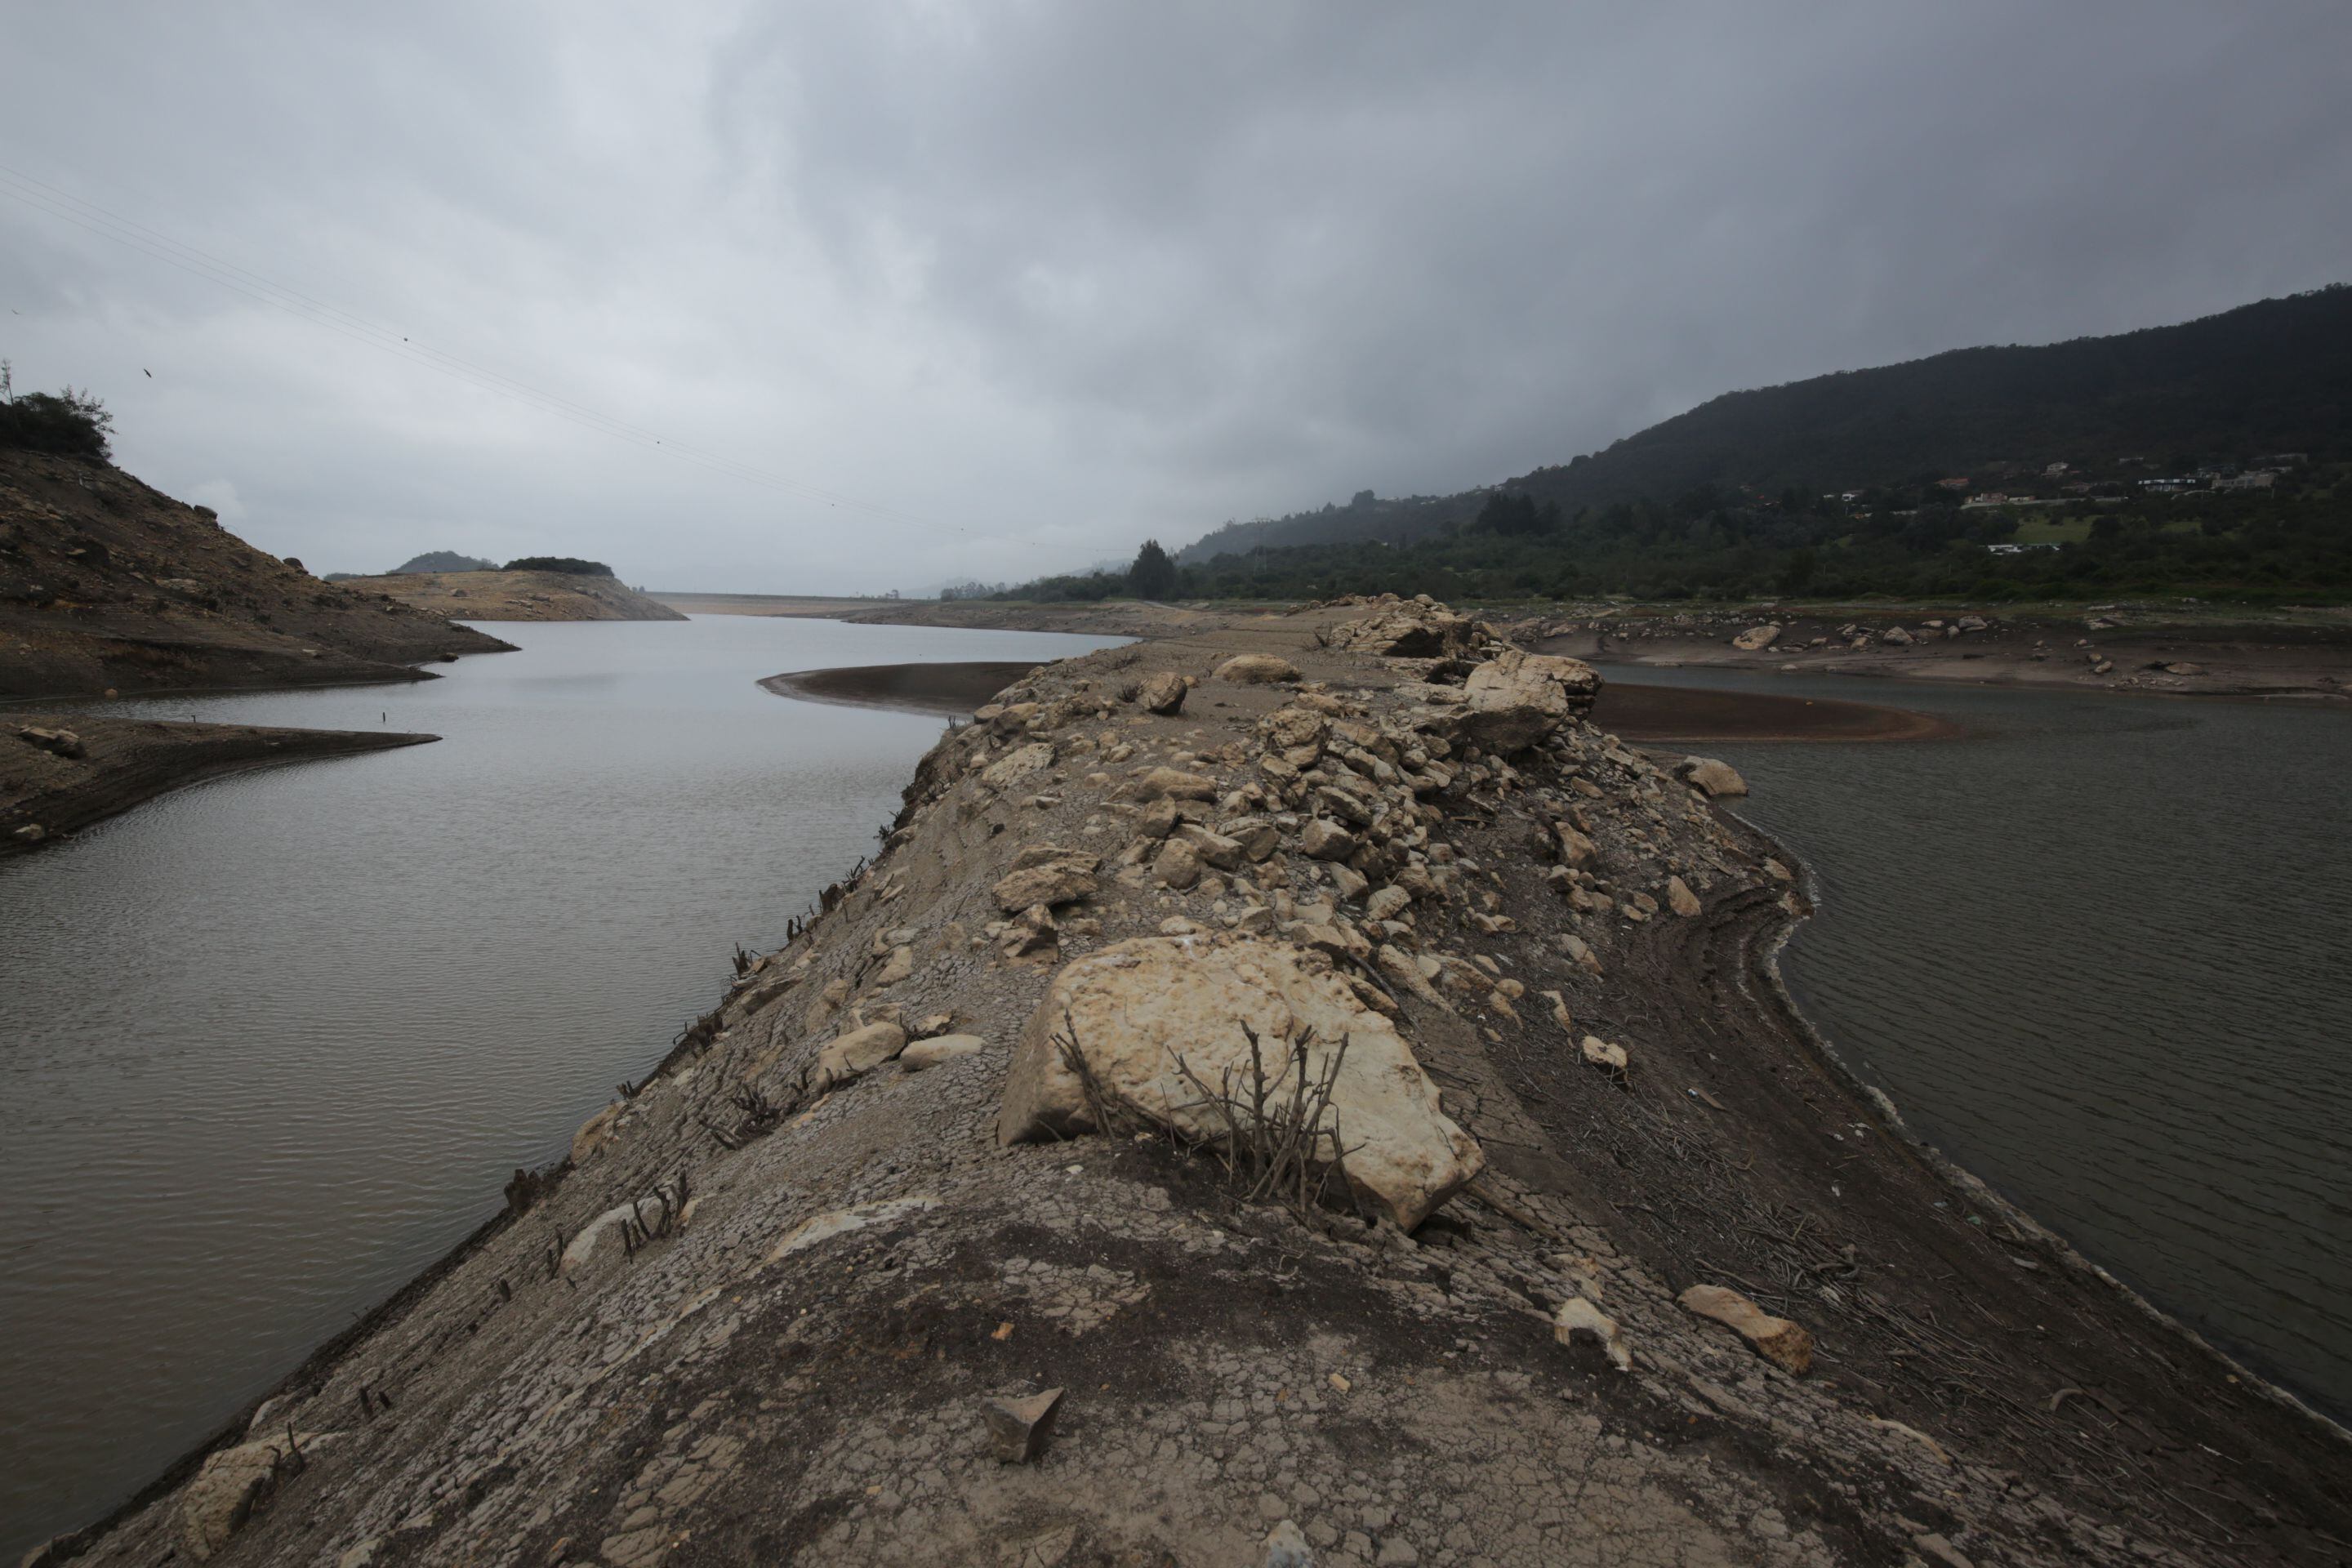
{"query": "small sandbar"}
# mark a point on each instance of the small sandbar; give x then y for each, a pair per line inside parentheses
(948, 688)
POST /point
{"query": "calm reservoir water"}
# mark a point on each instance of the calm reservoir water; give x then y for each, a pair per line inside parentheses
(2100, 953)
(275, 1042)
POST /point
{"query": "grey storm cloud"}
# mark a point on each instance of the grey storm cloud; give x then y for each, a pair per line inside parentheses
(912, 292)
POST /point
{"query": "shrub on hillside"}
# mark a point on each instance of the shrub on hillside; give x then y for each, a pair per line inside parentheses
(570, 565)
(73, 423)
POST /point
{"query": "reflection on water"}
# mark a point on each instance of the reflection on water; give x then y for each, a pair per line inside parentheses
(275, 1042)
(2097, 952)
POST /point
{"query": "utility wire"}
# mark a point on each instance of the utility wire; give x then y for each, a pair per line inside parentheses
(134, 235)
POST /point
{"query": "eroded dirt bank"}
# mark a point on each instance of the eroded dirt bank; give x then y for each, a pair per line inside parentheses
(59, 771)
(761, 1313)
(515, 596)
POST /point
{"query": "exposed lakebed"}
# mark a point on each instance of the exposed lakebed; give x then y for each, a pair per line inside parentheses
(275, 1042)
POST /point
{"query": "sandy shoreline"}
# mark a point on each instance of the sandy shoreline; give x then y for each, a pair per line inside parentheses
(1965, 1404)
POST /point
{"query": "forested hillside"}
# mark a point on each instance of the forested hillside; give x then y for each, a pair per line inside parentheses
(2222, 392)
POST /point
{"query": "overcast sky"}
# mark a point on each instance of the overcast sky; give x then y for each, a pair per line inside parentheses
(934, 290)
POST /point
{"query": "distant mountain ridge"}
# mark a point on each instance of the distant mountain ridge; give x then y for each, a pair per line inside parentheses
(2270, 376)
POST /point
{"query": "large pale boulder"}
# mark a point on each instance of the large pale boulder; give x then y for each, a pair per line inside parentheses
(235, 1481)
(1136, 1007)
(1020, 763)
(1517, 699)
(1757, 638)
(858, 1051)
(1710, 778)
(1047, 876)
(1408, 629)
(1256, 670)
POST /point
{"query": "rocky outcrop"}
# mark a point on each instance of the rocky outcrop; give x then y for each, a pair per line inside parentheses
(1409, 628)
(1517, 698)
(1155, 1020)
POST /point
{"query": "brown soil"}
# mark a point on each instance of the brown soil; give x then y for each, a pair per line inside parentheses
(129, 760)
(106, 584)
(951, 689)
(713, 1393)
(516, 596)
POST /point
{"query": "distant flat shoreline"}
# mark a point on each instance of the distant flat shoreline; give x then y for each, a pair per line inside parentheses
(1641, 713)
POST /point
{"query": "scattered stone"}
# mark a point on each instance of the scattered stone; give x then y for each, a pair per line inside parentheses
(1285, 1547)
(824, 1228)
(858, 1051)
(1174, 784)
(940, 1048)
(235, 1482)
(1578, 1316)
(1710, 778)
(1786, 1345)
(901, 965)
(1680, 898)
(1256, 670)
(1178, 865)
(1387, 904)
(1896, 635)
(60, 742)
(1063, 875)
(1020, 762)
(1132, 1009)
(593, 1135)
(1323, 839)
(1163, 692)
(1602, 1053)
(1020, 1427)
(31, 833)
(2184, 668)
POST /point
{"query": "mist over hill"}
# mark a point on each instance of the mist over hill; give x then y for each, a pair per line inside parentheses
(2223, 390)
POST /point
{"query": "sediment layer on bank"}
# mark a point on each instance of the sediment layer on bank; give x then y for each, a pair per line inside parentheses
(60, 773)
(515, 596)
(925, 1245)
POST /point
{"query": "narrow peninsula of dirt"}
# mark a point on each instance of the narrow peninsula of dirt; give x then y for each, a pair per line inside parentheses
(516, 596)
(60, 773)
(1290, 1093)
(1646, 713)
